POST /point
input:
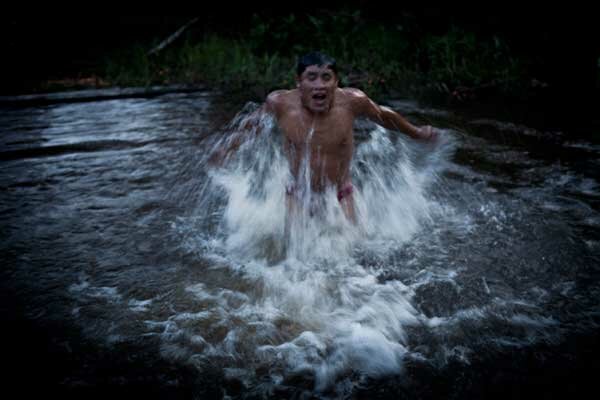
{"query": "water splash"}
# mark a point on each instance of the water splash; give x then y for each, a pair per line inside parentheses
(497, 255)
(243, 204)
(341, 318)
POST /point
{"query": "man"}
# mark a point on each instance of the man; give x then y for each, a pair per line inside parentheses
(316, 119)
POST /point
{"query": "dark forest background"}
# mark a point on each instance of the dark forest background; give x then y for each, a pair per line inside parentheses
(534, 58)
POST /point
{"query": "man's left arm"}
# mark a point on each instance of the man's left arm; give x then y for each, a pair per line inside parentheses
(389, 118)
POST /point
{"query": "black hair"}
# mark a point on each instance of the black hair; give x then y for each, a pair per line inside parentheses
(315, 58)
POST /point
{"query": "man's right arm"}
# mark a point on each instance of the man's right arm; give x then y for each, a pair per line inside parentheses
(274, 102)
(249, 126)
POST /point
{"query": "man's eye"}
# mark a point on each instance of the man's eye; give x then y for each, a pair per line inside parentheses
(326, 77)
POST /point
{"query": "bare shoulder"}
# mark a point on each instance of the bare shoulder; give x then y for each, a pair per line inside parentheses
(277, 95)
(279, 98)
(356, 99)
(354, 93)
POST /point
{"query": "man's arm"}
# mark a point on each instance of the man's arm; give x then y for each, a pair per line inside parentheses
(389, 118)
(247, 127)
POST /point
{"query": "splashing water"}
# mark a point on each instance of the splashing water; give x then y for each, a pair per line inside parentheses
(475, 256)
(340, 318)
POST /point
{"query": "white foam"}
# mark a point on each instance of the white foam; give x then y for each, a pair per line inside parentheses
(139, 305)
(339, 317)
(85, 289)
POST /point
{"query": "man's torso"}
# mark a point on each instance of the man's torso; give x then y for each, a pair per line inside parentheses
(326, 138)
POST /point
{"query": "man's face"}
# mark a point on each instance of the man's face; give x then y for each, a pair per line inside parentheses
(317, 86)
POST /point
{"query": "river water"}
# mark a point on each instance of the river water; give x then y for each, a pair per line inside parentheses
(130, 266)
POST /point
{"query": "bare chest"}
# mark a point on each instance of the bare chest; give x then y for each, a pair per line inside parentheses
(332, 134)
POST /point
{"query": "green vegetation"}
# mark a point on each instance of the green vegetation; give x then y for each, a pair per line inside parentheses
(381, 59)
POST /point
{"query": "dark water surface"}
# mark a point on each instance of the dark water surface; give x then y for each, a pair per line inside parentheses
(131, 270)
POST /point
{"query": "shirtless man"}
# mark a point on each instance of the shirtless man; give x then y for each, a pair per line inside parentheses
(319, 108)
(317, 118)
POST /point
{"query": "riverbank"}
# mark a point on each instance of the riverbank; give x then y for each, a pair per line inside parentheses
(440, 58)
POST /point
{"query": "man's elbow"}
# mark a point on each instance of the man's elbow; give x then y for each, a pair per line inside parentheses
(386, 117)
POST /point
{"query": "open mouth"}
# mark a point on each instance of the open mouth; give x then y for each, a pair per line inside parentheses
(319, 97)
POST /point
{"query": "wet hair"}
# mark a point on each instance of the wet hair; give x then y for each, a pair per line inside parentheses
(315, 58)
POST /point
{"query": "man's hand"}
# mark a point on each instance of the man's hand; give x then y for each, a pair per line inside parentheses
(428, 133)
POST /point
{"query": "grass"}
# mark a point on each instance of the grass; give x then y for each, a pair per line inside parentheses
(380, 59)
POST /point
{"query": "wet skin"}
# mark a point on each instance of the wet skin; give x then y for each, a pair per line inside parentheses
(317, 119)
